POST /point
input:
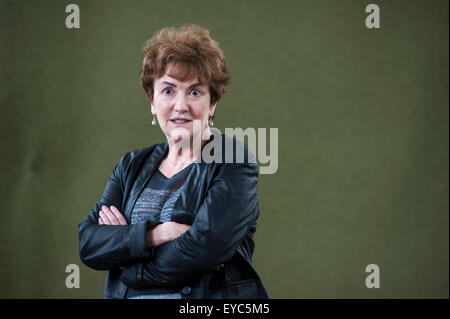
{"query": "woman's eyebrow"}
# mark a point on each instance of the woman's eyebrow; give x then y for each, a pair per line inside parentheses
(174, 85)
(195, 84)
(168, 83)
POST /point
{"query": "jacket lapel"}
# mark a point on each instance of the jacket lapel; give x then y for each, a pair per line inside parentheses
(144, 171)
(143, 174)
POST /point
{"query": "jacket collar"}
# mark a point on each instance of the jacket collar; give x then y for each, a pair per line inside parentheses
(152, 161)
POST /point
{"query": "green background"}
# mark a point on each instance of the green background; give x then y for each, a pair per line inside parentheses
(363, 136)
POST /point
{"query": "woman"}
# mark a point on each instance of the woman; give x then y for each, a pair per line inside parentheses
(170, 224)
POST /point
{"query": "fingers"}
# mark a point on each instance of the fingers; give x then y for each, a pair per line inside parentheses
(119, 216)
(111, 216)
(180, 229)
(104, 218)
(183, 227)
(108, 216)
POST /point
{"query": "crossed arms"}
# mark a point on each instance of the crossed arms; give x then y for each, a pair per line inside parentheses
(165, 254)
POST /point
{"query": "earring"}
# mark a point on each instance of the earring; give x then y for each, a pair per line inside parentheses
(154, 120)
(211, 122)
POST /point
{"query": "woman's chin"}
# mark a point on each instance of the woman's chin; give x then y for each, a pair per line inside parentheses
(180, 135)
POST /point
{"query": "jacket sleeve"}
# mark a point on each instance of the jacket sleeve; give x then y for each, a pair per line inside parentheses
(104, 247)
(229, 210)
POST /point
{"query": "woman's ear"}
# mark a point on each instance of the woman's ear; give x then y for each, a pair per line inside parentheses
(212, 109)
(150, 99)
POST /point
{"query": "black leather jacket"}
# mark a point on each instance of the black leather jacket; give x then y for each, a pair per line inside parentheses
(219, 200)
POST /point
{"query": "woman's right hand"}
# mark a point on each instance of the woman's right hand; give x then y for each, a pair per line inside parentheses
(165, 232)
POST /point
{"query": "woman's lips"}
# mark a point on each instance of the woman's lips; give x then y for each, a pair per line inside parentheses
(180, 121)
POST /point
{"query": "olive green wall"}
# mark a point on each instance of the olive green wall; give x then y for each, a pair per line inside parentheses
(363, 136)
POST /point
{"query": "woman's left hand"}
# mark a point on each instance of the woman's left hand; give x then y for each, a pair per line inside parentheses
(111, 216)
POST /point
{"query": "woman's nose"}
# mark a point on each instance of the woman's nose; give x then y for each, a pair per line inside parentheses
(181, 104)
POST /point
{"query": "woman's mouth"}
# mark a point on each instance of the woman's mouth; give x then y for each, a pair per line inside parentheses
(179, 121)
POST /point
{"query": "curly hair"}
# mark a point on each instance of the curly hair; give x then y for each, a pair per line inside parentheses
(192, 53)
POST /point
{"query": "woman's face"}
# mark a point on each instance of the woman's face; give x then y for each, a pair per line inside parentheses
(178, 106)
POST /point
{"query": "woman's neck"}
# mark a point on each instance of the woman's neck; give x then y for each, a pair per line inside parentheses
(180, 154)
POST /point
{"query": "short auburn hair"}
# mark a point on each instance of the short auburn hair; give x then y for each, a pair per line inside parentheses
(192, 53)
